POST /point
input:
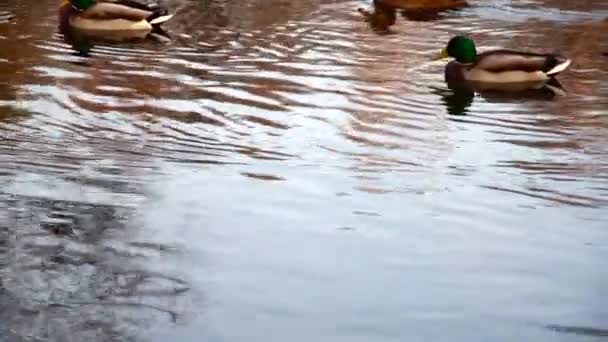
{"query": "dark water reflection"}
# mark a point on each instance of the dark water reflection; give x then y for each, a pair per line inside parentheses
(278, 170)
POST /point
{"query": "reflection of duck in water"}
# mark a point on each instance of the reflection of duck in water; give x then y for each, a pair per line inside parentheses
(459, 97)
(499, 70)
(112, 20)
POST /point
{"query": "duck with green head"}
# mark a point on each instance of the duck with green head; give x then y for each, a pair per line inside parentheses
(120, 18)
(499, 69)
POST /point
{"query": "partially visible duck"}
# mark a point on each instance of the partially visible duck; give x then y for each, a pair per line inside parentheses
(427, 5)
(418, 10)
(112, 18)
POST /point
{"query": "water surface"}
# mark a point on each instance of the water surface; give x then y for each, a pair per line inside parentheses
(284, 171)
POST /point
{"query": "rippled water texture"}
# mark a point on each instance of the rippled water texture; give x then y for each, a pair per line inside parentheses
(284, 171)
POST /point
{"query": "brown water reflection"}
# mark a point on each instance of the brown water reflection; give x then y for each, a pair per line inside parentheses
(280, 170)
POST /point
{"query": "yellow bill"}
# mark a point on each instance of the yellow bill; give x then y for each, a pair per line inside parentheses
(443, 54)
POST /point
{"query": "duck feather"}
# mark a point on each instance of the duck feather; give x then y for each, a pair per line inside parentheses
(508, 60)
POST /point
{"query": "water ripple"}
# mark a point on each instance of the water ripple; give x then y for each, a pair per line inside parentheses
(289, 117)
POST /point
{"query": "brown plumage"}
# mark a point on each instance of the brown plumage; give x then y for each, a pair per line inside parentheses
(110, 11)
(505, 60)
(432, 5)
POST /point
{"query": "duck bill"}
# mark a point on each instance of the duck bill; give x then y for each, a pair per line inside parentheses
(443, 54)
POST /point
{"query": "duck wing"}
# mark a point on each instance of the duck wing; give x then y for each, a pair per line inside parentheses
(509, 60)
(110, 11)
(159, 14)
(153, 7)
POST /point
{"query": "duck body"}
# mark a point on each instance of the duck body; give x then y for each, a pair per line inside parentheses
(417, 5)
(122, 19)
(500, 69)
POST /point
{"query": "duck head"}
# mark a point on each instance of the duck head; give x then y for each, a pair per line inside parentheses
(79, 5)
(461, 48)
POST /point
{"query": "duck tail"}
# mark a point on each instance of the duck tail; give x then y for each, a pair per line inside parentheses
(554, 86)
(157, 19)
(159, 14)
(561, 66)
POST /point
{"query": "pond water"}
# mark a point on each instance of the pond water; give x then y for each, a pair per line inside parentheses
(283, 171)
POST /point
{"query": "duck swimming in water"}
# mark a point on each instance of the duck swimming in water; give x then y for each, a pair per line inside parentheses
(429, 5)
(385, 11)
(500, 69)
(111, 18)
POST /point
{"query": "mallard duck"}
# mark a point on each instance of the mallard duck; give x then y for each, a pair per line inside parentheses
(499, 69)
(125, 18)
(418, 5)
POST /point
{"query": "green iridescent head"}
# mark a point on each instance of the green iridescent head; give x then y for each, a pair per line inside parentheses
(462, 48)
(81, 4)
